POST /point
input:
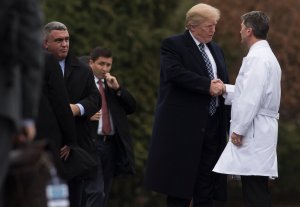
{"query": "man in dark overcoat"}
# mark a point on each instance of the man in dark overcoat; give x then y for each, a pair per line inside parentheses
(83, 95)
(191, 121)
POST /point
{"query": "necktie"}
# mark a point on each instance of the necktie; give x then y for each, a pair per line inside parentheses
(106, 128)
(213, 101)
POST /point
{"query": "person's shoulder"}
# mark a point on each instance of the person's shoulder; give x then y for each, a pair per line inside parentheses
(173, 40)
(174, 37)
(75, 62)
(83, 64)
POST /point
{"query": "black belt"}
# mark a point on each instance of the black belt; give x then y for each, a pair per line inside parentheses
(105, 138)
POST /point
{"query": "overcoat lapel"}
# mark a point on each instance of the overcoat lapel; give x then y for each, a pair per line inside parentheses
(70, 65)
(194, 51)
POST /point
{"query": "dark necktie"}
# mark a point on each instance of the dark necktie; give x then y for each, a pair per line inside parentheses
(213, 102)
(106, 128)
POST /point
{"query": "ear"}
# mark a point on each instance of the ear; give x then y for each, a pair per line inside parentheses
(45, 44)
(249, 31)
(90, 62)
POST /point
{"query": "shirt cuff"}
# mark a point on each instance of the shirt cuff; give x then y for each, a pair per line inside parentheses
(81, 109)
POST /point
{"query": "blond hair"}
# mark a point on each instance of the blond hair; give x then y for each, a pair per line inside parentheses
(201, 12)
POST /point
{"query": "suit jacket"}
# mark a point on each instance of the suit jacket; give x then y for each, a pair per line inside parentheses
(21, 60)
(181, 117)
(81, 88)
(120, 107)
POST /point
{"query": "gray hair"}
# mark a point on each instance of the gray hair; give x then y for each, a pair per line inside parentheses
(53, 26)
(258, 21)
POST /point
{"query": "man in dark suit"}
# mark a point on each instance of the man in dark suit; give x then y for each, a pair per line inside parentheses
(83, 95)
(191, 120)
(20, 74)
(110, 124)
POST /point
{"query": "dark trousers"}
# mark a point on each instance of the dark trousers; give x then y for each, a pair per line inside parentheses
(93, 188)
(107, 150)
(203, 192)
(98, 185)
(256, 191)
(6, 136)
(75, 191)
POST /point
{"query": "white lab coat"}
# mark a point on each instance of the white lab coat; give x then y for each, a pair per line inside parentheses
(255, 104)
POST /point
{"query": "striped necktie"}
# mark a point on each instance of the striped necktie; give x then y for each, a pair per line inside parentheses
(213, 101)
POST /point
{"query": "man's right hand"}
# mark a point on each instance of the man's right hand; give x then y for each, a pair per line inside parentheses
(216, 87)
(75, 109)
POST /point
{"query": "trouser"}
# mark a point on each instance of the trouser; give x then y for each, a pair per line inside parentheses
(106, 149)
(98, 186)
(93, 187)
(75, 191)
(203, 192)
(256, 191)
(6, 136)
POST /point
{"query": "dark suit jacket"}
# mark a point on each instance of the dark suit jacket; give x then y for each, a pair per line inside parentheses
(181, 116)
(81, 88)
(21, 60)
(120, 107)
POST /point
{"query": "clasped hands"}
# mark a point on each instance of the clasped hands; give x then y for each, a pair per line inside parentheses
(217, 87)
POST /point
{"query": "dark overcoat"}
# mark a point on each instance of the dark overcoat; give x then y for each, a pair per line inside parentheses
(55, 121)
(181, 117)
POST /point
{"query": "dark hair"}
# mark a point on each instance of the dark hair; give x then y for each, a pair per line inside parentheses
(258, 21)
(100, 52)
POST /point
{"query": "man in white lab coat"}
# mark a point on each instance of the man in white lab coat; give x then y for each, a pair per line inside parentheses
(255, 99)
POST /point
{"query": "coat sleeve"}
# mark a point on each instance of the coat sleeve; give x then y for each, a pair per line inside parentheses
(92, 100)
(229, 95)
(246, 106)
(127, 101)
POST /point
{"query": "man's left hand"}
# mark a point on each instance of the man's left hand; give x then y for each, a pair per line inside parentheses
(112, 81)
(236, 139)
(65, 152)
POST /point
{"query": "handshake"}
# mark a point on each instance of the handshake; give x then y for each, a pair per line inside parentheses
(217, 87)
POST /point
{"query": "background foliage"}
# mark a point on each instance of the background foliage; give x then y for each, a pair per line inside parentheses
(133, 30)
